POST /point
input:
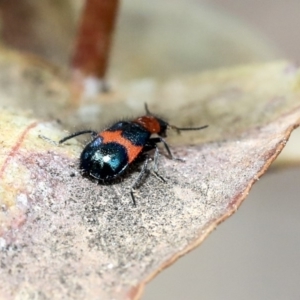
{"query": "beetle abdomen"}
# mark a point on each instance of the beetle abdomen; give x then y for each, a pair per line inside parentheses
(105, 161)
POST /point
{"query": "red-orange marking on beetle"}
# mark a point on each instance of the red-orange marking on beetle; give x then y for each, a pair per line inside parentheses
(116, 136)
(150, 123)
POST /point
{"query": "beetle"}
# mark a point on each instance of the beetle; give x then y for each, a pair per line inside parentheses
(117, 147)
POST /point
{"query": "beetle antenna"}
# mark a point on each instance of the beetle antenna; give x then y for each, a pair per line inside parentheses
(178, 129)
(147, 109)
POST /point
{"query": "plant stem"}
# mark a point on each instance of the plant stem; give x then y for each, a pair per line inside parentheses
(94, 38)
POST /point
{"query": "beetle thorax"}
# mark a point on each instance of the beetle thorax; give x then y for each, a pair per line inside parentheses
(150, 123)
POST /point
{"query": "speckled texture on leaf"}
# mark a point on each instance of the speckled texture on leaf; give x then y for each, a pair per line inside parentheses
(65, 236)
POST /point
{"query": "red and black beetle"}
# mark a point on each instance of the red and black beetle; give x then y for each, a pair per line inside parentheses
(112, 150)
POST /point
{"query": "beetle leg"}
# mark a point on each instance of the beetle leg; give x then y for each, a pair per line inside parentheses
(138, 180)
(156, 140)
(92, 132)
(155, 167)
(152, 144)
(48, 140)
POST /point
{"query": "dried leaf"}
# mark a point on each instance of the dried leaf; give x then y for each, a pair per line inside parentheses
(48, 28)
(290, 156)
(65, 236)
(30, 83)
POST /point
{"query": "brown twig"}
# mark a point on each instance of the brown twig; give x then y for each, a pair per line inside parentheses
(94, 37)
